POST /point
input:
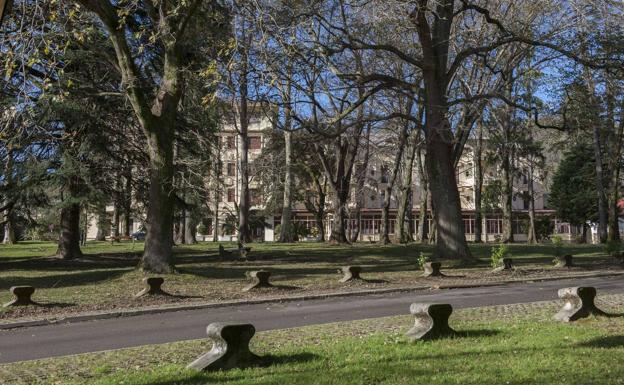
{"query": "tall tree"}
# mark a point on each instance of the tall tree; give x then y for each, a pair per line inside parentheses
(162, 35)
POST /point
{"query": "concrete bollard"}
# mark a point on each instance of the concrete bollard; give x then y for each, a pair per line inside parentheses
(578, 303)
(431, 321)
(432, 269)
(350, 273)
(230, 348)
(22, 296)
(506, 264)
(564, 261)
(260, 279)
(152, 287)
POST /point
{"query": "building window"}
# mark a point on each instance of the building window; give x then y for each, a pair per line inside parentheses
(255, 143)
(469, 224)
(231, 194)
(231, 169)
(494, 226)
(230, 142)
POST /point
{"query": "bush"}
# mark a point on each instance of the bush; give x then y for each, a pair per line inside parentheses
(557, 241)
(202, 229)
(612, 248)
(498, 253)
(422, 259)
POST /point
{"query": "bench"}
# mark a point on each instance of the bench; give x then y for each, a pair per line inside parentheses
(578, 303)
(260, 279)
(242, 251)
(230, 348)
(431, 321)
(432, 269)
(22, 296)
(350, 273)
(564, 261)
(152, 287)
(505, 264)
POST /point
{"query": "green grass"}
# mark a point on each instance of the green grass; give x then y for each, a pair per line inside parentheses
(493, 353)
(107, 277)
(500, 345)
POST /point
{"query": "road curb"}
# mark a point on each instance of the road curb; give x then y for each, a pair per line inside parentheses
(210, 305)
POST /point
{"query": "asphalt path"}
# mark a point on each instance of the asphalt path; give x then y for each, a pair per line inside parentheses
(91, 336)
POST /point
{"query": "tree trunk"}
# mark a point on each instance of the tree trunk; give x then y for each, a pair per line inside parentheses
(507, 235)
(584, 228)
(449, 224)
(116, 217)
(9, 217)
(338, 233)
(157, 256)
(478, 186)
(602, 200)
(127, 205)
(103, 224)
(244, 232)
(405, 206)
(449, 229)
(423, 220)
(531, 236)
(286, 230)
(179, 226)
(190, 229)
(385, 212)
(69, 239)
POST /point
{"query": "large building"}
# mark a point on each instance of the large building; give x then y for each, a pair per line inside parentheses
(373, 195)
(227, 188)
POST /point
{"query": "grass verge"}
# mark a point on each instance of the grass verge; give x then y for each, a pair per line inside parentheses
(521, 346)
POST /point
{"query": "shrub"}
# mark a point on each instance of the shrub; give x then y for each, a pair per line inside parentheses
(612, 248)
(557, 241)
(498, 253)
(202, 229)
(422, 259)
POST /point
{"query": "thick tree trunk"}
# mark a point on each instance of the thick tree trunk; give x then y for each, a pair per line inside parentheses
(286, 230)
(69, 239)
(478, 186)
(338, 233)
(157, 256)
(531, 236)
(449, 223)
(450, 236)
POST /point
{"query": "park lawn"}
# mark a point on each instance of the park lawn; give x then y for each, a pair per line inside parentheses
(500, 345)
(107, 277)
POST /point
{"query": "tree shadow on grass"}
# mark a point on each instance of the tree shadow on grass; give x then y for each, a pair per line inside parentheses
(61, 280)
(604, 342)
(476, 333)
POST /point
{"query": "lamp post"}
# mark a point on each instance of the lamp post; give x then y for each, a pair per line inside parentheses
(5, 7)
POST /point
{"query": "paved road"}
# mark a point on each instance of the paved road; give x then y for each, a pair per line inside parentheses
(91, 336)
